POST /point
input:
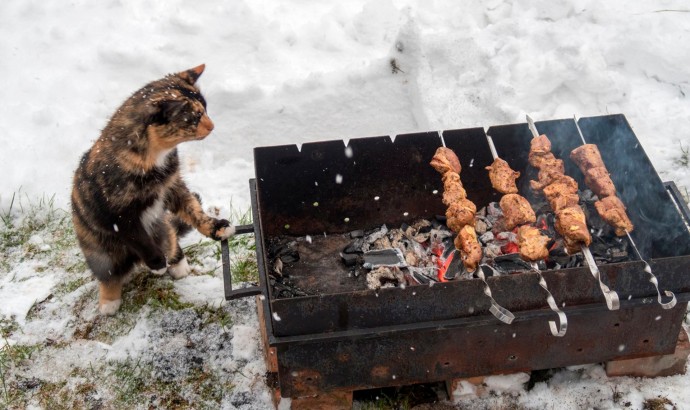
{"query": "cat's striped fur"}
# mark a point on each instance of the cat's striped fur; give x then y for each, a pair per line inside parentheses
(129, 202)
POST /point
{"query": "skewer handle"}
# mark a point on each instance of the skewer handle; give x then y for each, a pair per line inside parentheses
(612, 299)
(501, 313)
(559, 329)
(653, 280)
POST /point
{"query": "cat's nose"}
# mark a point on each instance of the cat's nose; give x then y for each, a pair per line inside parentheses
(205, 126)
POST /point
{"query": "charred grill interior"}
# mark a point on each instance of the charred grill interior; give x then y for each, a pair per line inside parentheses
(321, 210)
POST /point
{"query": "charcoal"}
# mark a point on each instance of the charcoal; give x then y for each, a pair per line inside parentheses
(450, 274)
(481, 226)
(359, 233)
(429, 274)
(487, 237)
(617, 255)
(420, 278)
(425, 229)
(510, 263)
(575, 261)
(384, 257)
(289, 256)
(349, 259)
(354, 246)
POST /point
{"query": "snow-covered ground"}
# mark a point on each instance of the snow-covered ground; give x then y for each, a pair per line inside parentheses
(281, 72)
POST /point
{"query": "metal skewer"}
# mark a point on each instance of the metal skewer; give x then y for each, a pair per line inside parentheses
(562, 326)
(611, 297)
(648, 269)
(501, 313)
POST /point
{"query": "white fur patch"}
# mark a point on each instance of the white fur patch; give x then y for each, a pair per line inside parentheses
(110, 308)
(180, 269)
(159, 272)
(151, 215)
(227, 232)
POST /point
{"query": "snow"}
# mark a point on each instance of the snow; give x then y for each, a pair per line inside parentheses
(282, 72)
(21, 288)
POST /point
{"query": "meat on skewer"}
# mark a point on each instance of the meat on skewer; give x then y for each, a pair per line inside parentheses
(503, 177)
(517, 211)
(461, 211)
(609, 206)
(532, 243)
(561, 192)
(445, 160)
(470, 249)
(453, 190)
(612, 210)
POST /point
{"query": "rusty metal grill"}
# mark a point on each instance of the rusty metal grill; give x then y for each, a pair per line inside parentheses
(364, 339)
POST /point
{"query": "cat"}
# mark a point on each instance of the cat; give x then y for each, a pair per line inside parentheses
(129, 202)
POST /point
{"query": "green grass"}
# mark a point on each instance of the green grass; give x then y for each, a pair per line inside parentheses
(11, 357)
(7, 327)
(26, 217)
(127, 383)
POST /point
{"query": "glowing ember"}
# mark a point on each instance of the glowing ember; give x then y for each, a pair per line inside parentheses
(443, 265)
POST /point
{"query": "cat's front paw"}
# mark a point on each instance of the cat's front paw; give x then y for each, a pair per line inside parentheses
(180, 270)
(222, 230)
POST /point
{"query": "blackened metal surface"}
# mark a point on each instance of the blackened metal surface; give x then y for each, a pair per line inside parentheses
(328, 187)
(519, 293)
(448, 353)
(303, 190)
(659, 229)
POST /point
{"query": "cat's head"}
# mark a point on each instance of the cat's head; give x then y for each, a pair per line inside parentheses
(175, 110)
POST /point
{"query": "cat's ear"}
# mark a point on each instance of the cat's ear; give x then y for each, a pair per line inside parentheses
(192, 74)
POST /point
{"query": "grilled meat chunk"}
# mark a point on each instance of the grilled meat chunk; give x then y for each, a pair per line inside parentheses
(587, 156)
(460, 213)
(572, 225)
(470, 249)
(588, 159)
(552, 169)
(612, 210)
(532, 243)
(517, 210)
(503, 177)
(562, 193)
(540, 149)
(453, 190)
(599, 181)
(445, 160)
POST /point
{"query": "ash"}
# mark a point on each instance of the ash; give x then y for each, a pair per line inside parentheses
(423, 253)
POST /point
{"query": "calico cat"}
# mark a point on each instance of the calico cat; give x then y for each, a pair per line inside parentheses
(129, 202)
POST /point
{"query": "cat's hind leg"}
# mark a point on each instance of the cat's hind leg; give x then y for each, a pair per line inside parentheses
(109, 297)
(110, 269)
